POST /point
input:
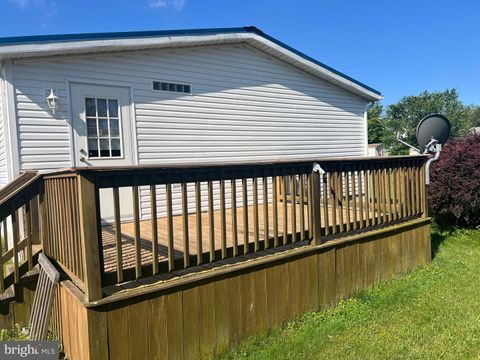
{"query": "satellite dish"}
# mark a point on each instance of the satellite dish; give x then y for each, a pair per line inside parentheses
(433, 127)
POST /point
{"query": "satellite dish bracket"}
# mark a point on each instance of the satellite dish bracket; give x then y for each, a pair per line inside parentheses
(432, 147)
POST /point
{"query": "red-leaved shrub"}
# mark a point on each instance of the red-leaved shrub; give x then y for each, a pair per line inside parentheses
(454, 190)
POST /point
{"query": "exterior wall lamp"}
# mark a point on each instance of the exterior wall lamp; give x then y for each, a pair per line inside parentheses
(52, 101)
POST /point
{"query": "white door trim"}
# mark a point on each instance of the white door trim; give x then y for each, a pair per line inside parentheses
(131, 108)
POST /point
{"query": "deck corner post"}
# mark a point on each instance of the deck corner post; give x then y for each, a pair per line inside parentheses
(89, 235)
(317, 173)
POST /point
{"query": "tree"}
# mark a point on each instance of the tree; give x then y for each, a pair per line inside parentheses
(474, 116)
(404, 116)
(375, 124)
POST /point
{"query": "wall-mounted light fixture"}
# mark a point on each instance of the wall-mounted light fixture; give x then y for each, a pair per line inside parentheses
(52, 101)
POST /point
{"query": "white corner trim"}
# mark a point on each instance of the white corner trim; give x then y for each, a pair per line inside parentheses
(365, 126)
(11, 133)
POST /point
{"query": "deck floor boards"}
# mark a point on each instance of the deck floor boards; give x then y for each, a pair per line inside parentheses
(127, 229)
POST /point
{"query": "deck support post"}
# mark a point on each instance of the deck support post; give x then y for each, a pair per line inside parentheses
(317, 173)
(87, 198)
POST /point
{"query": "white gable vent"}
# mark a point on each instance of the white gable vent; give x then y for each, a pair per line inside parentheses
(172, 87)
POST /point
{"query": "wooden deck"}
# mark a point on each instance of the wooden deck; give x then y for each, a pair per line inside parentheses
(128, 233)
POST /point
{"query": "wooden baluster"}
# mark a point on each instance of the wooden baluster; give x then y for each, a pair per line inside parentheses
(411, 176)
(361, 191)
(28, 231)
(354, 198)
(170, 243)
(309, 204)
(347, 198)
(372, 196)
(76, 226)
(415, 189)
(316, 211)
(266, 227)
(395, 193)
(154, 227)
(16, 236)
(339, 185)
(256, 230)
(198, 216)
(233, 194)
(388, 197)
(245, 215)
(401, 191)
(223, 219)
(293, 205)
(211, 221)
(35, 220)
(66, 227)
(2, 251)
(381, 194)
(302, 207)
(118, 234)
(326, 210)
(186, 241)
(423, 192)
(275, 211)
(67, 189)
(408, 190)
(285, 210)
(136, 225)
(333, 198)
(418, 191)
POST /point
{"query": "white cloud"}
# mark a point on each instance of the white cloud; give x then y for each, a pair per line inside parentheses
(162, 4)
(48, 8)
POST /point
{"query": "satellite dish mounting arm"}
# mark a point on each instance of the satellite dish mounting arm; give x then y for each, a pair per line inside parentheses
(400, 138)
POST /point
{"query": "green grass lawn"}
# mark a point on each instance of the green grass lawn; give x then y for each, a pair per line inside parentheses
(428, 313)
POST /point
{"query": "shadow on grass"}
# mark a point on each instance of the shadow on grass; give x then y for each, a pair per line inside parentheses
(439, 233)
(437, 239)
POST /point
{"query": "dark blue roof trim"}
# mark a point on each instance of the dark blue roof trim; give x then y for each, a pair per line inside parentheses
(38, 39)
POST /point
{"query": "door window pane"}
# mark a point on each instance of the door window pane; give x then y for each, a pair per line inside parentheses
(115, 147)
(102, 107)
(112, 108)
(103, 128)
(114, 129)
(104, 148)
(92, 148)
(90, 107)
(91, 127)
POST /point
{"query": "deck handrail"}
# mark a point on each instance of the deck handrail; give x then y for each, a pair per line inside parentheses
(19, 208)
(260, 206)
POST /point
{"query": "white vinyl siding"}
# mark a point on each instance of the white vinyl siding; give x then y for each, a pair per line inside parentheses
(245, 106)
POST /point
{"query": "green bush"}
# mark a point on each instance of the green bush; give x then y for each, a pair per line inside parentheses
(454, 191)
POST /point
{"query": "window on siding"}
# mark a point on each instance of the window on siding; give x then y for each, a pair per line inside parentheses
(172, 87)
(103, 128)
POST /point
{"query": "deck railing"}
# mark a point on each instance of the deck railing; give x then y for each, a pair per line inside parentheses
(179, 217)
(20, 228)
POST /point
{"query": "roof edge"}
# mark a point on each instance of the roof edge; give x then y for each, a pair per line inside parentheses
(83, 37)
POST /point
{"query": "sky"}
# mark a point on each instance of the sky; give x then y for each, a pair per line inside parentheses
(400, 48)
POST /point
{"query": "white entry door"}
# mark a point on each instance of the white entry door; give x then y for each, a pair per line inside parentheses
(102, 125)
(103, 137)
